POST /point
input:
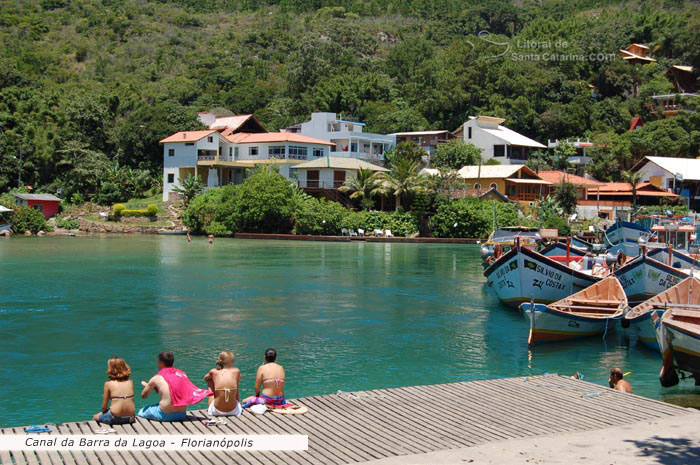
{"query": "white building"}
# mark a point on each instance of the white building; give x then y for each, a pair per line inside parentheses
(678, 175)
(349, 137)
(496, 141)
(582, 147)
(330, 172)
(221, 159)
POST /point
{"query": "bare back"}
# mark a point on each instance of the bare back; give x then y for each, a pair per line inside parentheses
(121, 394)
(272, 379)
(623, 386)
(161, 387)
(224, 382)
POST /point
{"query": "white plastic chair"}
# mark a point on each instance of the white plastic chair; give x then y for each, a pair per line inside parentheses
(344, 232)
(360, 232)
(378, 232)
(388, 233)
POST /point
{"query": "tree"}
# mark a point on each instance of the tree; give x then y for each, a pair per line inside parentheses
(567, 196)
(189, 187)
(363, 187)
(405, 151)
(456, 154)
(633, 178)
(403, 180)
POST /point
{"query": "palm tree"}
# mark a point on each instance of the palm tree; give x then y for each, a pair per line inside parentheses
(633, 178)
(363, 187)
(189, 188)
(403, 180)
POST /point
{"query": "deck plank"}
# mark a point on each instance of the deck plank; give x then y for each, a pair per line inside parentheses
(367, 425)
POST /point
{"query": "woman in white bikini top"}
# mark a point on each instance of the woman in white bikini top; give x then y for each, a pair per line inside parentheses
(223, 381)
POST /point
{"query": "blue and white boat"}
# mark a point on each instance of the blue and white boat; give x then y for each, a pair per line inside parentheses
(623, 236)
(643, 277)
(558, 249)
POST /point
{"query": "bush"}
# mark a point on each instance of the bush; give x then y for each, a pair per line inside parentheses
(217, 229)
(118, 210)
(215, 205)
(27, 219)
(152, 210)
(265, 203)
(319, 217)
(470, 217)
(68, 223)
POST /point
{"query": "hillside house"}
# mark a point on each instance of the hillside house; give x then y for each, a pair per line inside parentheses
(517, 182)
(427, 140)
(636, 54)
(678, 175)
(496, 141)
(348, 138)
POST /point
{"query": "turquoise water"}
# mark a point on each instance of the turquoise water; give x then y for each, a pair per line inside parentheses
(343, 316)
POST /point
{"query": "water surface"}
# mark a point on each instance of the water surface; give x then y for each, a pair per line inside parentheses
(343, 316)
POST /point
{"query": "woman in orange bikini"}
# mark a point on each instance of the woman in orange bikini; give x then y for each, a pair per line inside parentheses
(223, 381)
(269, 383)
(120, 391)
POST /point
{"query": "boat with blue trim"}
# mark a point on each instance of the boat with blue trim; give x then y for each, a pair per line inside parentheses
(643, 277)
(624, 236)
(586, 313)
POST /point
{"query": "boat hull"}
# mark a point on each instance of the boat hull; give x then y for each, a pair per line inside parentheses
(685, 348)
(623, 237)
(523, 275)
(643, 328)
(547, 325)
(644, 277)
(678, 260)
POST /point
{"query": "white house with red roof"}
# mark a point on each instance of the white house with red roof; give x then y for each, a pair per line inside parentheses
(222, 154)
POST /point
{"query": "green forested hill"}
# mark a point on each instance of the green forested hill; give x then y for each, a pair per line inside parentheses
(87, 83)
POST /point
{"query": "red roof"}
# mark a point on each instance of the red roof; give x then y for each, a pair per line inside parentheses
(556, 177)
(265, 137)
(636, 122)
(188, 136)
(644, 189)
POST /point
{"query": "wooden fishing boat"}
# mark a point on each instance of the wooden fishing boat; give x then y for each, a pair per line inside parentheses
(674, 258)
(523, 275)
(586, 313)
(678, 331)
(559, 249)
(638, 319)
(623, 236)
(643, 277)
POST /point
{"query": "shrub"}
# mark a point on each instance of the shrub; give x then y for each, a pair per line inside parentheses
(217, 229)
(68, 223)
(265, 203)
(118, 210)
(152, 210)
(27, 219)
(215, 205)
(319, 217)
(470, 217)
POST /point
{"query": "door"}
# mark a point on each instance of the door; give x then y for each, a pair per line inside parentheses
(312, 177)
(338, 179)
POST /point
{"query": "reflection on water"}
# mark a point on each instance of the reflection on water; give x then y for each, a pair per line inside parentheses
(347, 316)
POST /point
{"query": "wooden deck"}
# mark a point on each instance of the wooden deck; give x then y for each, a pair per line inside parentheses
(361, 426)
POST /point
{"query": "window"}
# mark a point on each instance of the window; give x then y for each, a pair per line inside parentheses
(276, 151)
(318, 152)
(189, 143)
(338, 178)
(171, 152)
(235, 152)
(477, 186)
(253, 151)
(499, 150)
(171, 178)
(210, 139)
(493, 186)
(39, 208)
(230, 151)
(312, 177)
(353, 147)
(469, 133)
(297, 152)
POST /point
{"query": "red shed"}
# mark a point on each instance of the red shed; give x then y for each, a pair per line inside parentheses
(45, 203)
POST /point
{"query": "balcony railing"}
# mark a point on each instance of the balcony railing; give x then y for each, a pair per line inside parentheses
(317, 184)
(297, 156)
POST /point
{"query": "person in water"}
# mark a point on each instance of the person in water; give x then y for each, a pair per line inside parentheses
(175, 389)
(120, 391)
(269, 383)
(223, 381)
(616, 382)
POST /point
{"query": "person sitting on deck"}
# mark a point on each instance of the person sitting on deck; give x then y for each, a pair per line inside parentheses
(269, 383)
(616, 382)
(175, 389)
(223, 381)
(120, 391)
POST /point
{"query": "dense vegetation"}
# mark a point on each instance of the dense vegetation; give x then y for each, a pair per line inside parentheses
(90, 86)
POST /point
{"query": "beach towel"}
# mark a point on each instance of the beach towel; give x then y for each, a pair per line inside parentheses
(182, 391)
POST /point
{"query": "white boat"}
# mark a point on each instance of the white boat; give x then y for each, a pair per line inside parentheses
(678, 332)
(643, 277)
(674, 258)
(586, 313)
(623, 236)
(559, 249)
(523, 275)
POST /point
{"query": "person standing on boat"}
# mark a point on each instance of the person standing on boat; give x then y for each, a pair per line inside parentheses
(269, 383)
(120, 391)
(223, 381)
(616, 382)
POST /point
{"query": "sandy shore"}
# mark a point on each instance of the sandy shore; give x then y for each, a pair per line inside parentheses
(670, 441)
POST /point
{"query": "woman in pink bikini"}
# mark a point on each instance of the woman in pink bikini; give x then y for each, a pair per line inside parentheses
(269, 383)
